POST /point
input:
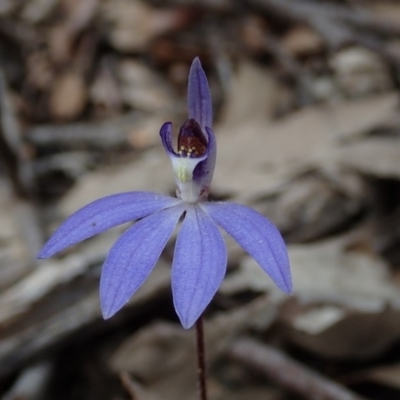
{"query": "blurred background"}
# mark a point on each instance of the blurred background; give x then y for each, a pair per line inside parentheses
(307, 120)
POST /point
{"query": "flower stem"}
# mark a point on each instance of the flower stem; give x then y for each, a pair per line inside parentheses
(201, 359)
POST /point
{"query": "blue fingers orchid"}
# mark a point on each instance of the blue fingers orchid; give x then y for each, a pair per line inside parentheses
(200, 257)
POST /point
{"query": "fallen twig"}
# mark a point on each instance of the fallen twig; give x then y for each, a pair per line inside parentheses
(332, 21)
(287, 372)
(112, 132)
(19, 173)
(135, 390)
(31, 384)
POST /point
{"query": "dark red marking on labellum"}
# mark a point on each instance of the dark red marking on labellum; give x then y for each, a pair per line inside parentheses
(191, 140)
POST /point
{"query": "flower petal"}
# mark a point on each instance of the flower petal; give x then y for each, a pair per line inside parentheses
(258, 236)
(199, 265)
(166, 138)
(104, 214)
(199, 97)
(204, 171)
(133, 257)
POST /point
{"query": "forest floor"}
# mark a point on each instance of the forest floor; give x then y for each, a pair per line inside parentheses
(306, 113)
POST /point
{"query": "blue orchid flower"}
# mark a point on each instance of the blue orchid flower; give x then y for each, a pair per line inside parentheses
(200, 257)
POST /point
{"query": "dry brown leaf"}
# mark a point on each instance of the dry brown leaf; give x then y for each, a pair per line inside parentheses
(352, 336)
(253, 31)
(326, 272)
(142, 88)
(104, 91)
(38, 324)
(36, 11)
(359, 71)
(253, 393)
(31, 383)
(14, 257)
(77, 15)
(175, 376)
(136, 390)
(49, 274)
(252, 95)
(387, 11)
(149, 171)
(376, 156)
(142, 136)
(302, 40)
(7, 7)
(316, 203)
(68, 96)
(256, 156)
(39, 70)
(388, 375)
(342, 296)
(132, 23)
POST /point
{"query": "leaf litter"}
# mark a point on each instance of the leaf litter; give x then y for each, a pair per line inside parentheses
(308, 133)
